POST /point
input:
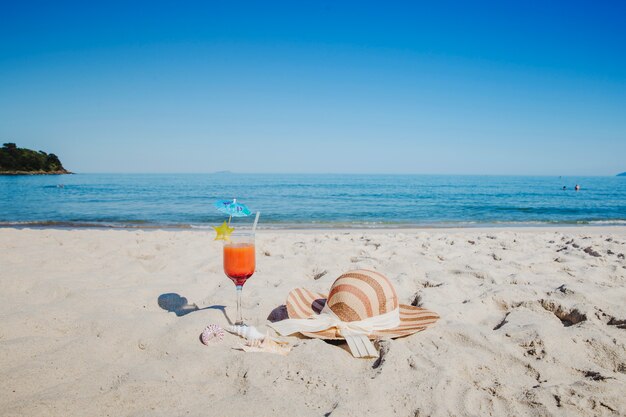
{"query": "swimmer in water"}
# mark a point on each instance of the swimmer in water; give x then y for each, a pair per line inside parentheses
(577, 187)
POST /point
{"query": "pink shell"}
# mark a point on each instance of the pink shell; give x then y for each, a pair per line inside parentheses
(212, 333)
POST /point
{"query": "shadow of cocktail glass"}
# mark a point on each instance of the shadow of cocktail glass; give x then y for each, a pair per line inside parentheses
(178, 305)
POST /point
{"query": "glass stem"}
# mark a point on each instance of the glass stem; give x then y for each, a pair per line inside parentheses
(239, 320)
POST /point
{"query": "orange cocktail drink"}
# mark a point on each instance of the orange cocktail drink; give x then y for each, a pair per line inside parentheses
(239, 261)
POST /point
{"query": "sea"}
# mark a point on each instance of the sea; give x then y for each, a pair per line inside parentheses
(309, 201)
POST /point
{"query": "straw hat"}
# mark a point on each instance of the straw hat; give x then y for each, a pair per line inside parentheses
(360, 306)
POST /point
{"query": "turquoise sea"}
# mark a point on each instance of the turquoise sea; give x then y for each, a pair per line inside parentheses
(185, 200)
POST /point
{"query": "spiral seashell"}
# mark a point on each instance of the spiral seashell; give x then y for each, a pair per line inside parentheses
(247, 332)
(212, 333)
(268, 345)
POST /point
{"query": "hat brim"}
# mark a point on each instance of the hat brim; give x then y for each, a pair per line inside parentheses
(303, 304)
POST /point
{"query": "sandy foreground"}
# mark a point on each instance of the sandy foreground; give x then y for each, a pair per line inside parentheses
(533, 322)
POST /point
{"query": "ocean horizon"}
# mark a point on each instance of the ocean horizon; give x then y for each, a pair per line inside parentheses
(310, 200)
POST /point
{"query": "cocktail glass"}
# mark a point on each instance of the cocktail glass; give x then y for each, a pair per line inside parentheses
(239, 263)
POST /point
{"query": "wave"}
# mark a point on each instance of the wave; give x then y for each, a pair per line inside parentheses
(319, 225)
(92, 225)
(609, 222)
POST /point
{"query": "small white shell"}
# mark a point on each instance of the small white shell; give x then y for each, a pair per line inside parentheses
(247, 332)
(212, 333)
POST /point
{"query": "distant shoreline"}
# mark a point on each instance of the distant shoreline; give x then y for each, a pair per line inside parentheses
(35, 172)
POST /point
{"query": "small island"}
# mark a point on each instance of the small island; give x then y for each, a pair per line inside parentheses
(21, 161)
(623, 174)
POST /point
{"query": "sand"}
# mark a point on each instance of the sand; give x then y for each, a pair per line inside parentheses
(533, 322)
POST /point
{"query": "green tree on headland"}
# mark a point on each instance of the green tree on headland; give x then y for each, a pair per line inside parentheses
(14, 160)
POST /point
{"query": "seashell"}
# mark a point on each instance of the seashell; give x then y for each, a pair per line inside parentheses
(212, 333)
(268, 345)
(247, 332)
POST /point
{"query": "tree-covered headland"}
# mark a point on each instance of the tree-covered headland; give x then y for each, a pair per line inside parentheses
(16, 161)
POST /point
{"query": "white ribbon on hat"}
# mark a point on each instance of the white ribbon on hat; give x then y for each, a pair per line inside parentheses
(355, 332)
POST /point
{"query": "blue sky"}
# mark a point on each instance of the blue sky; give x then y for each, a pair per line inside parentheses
(342, 87)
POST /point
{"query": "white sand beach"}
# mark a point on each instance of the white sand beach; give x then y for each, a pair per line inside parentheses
(533, 323)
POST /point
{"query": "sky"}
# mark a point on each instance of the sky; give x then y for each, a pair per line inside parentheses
(519, 88)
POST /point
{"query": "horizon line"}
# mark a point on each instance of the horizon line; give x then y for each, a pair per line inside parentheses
(342, 173)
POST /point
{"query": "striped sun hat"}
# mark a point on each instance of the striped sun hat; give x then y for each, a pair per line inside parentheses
(355, 296)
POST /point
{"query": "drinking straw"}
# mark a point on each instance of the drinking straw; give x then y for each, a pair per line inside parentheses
(256, 220)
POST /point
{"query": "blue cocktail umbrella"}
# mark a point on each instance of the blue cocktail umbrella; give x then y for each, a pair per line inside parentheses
(232, 208)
